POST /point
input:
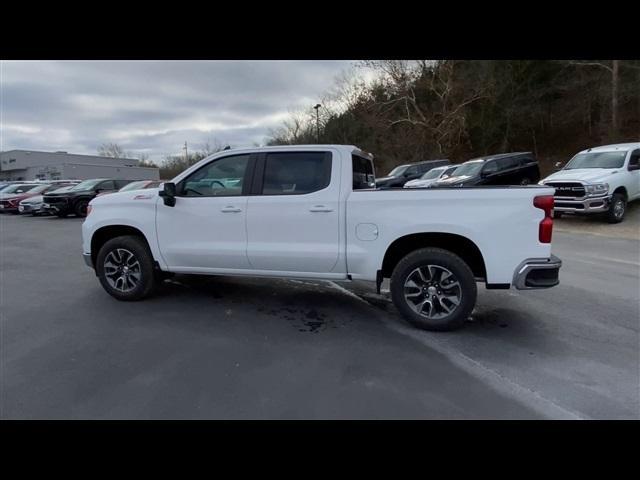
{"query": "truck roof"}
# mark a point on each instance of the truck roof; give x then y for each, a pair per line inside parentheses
(614, 147)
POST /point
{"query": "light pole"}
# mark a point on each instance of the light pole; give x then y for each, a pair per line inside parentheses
(317, 108)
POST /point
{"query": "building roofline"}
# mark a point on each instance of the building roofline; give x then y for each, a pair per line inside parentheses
(69, 154)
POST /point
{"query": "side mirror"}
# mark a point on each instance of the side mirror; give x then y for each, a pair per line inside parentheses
(168, 194)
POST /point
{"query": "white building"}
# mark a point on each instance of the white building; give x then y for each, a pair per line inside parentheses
(32, 165)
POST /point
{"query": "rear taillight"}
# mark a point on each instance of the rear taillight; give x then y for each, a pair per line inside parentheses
(545, 202)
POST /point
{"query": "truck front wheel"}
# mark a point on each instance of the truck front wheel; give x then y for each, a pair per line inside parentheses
(434, 289)
(617, 208)
(125, 268)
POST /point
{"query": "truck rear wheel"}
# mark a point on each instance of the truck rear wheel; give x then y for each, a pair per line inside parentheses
(617, 208)
(434, 289)
(125, 268)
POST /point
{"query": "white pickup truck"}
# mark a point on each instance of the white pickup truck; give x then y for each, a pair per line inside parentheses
(598, 180)
(313, 212)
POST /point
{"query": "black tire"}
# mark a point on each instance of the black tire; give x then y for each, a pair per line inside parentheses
(80, 208)
(61, 215)
(444, 260)
(146, 276)
(617, 209)
(557, 214)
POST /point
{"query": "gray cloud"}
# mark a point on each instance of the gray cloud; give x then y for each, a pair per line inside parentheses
(152, 106)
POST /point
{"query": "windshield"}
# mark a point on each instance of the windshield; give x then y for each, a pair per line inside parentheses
(597, 160)
(396, 172)
(87, 184)
(18, 188)
(449, 171)
(433, 173)
(471, 168)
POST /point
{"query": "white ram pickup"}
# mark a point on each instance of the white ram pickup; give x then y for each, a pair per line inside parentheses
(598, 180)
(313, 212)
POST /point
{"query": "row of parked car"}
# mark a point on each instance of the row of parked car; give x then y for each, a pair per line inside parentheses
(62, 197)
(600, 180)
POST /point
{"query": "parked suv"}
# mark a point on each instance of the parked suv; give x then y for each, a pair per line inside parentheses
(77, 199)
(598, 180)
(503, 169)
(397, 177)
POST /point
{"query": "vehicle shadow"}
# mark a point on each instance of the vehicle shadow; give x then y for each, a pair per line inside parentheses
(307, 306)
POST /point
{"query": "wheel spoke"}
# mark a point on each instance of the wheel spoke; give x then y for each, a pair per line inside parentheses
(432, 291)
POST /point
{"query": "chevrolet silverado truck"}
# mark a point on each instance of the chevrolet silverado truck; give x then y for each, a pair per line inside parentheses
(598, 180)
(313, 212)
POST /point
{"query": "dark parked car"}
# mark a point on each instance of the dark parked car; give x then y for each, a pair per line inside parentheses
(77, 199)
(397, 177)
(504, 169)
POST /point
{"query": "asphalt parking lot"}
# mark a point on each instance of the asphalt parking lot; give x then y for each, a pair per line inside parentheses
(247, 348)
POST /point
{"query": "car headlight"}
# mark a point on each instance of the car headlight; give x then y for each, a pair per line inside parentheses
(597, 188)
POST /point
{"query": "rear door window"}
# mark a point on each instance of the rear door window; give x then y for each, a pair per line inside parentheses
(296, 173)
(363, 173)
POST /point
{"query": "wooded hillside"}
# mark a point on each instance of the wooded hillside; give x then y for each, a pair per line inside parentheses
(457, 109)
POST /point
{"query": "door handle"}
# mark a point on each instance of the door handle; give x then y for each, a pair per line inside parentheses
(320, 208)
(230, 209)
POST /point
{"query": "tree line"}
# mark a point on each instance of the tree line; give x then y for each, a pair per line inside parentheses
(460, 109)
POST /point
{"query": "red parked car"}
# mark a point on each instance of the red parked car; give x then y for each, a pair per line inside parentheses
(11, 196)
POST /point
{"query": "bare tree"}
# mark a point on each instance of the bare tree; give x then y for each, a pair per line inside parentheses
(111, 150)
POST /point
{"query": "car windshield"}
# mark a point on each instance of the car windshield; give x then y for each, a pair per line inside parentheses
(397, 171)
(449, 171)
(87, 184)
(596, 160)
(433, 173)
(18, 188)
(470, 168)
(133, 186)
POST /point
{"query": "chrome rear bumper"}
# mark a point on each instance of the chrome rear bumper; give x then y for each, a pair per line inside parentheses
(536, 273)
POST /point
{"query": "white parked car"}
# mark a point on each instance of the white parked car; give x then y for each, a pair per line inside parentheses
(313, 212)
(431, 177)
(598, 180)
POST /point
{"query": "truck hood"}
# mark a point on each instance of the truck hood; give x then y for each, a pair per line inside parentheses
(590, 175)
(147, 194)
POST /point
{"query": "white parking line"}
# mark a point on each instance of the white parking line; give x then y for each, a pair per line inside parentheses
(532, 399)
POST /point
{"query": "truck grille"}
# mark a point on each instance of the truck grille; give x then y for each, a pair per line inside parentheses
(568, 189)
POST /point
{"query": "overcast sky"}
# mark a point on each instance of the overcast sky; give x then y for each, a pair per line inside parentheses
(153, 106)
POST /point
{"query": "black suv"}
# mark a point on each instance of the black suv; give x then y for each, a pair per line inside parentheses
(77, 199)
(402, 174)
(504, 169)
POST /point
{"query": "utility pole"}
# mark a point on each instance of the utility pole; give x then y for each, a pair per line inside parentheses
(186, 154)
(317, 109)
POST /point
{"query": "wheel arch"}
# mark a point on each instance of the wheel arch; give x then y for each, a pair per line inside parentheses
(454, 243)
(106, 233)
(622, 190)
